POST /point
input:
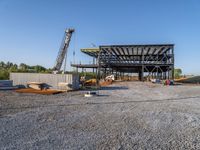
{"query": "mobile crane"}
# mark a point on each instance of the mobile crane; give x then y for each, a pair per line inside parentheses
(62, 54)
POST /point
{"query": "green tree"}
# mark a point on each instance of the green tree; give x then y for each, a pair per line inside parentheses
(4, 74)
(39, 68)
(2, 64)
(177, 73)
(9, 65)
(13, 68)
(6, 68)
(23, 67)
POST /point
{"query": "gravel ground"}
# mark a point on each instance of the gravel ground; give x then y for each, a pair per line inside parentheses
(126, 115)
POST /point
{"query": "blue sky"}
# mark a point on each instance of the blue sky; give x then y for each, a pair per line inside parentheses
(31, 30)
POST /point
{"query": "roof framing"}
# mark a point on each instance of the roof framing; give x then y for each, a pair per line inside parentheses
(149, 58)
(137, 54)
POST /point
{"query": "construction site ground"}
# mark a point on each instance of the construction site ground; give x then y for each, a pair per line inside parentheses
(126, 115)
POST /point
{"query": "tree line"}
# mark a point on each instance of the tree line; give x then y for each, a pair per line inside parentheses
(7, 67)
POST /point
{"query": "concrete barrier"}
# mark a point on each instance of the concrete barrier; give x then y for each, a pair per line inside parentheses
(6, 83)
(52, 80)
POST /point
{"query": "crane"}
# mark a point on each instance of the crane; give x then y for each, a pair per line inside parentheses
(62, 54)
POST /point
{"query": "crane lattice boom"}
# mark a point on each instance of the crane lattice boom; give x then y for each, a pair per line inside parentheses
(63, 49)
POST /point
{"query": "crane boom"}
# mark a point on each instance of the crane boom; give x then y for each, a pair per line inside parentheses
(63, 49)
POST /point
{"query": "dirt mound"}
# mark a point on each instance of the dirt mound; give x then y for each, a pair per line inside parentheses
(43, 92)
(195, 79)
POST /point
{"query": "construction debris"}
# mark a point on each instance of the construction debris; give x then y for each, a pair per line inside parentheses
(93, 82)
(91, 94)
(105, 82)
(155, 81)
(164, 82)
(168, 82)
(111, 77)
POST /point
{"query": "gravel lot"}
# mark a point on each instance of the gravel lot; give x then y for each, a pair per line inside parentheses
(126, 115)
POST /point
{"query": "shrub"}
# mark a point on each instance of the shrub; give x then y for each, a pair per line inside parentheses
(4, 74)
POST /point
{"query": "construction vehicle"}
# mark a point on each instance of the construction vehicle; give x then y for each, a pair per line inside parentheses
(62, 54)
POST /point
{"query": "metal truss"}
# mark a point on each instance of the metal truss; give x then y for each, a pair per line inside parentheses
(157, 61)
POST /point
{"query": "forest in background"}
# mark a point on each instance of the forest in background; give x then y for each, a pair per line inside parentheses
(7, 67)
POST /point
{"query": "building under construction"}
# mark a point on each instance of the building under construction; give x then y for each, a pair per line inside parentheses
(147, 61)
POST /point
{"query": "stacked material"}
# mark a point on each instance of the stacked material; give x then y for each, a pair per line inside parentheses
(6, 85)
(65, 86)
(155, 80)
(38, 88)
(105, 83)
(90, 82)
(36, 85)
(129, 78)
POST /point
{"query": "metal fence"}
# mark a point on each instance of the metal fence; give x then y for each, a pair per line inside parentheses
(21, 79)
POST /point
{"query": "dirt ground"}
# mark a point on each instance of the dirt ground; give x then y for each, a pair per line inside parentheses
(126, 115)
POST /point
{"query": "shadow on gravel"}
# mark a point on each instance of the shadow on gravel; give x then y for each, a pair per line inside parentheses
(99, 103)
(102, 95)
(114, 88)
(177, 84)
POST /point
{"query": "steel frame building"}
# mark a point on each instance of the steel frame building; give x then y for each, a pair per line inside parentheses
(149, 61)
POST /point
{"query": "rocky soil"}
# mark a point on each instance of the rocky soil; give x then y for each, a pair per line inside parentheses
(126, 115)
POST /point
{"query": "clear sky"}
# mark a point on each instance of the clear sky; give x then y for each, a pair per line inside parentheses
(31, 30)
